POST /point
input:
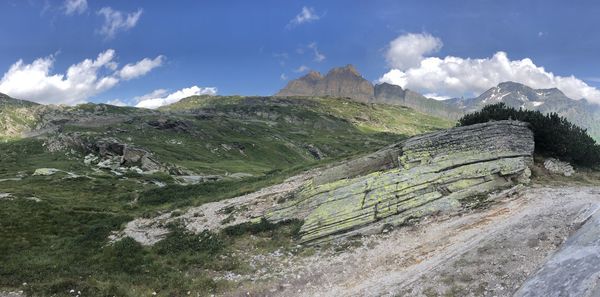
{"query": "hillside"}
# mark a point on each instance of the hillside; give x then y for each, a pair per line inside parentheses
(82, 172)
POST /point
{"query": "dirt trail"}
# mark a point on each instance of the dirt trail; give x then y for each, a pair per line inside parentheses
(486, 252)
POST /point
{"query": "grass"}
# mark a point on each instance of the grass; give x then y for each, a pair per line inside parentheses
(60, 243)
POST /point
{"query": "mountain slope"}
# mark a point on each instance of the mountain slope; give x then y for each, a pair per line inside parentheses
(393, 94)
(80, 178)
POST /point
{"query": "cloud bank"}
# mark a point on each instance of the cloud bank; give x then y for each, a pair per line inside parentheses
(157, 98)
(90, 77)
(412, 67)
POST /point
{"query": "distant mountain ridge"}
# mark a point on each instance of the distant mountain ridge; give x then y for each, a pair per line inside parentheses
(347, 82)
(516, 95)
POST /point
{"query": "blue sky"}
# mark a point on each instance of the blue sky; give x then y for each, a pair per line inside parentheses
(255, 47)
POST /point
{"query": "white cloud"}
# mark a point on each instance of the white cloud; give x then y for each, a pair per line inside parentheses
(302, 68)
(75, 6)
(319, 57)
(454, 76)
(140, 68)
(283, 76)
(116, 102)
(409, 49)
(36, 82)
(148, 101)
(307, 15)
(116, 21)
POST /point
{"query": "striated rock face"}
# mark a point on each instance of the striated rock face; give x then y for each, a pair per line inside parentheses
(558, 167)
(339, 82)
(440, 172)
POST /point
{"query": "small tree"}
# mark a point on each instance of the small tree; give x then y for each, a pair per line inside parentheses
(554, 135)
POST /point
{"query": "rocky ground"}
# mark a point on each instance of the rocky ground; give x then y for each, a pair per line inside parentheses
(488, 252)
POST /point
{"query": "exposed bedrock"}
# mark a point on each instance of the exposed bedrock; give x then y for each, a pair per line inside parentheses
(439, 172)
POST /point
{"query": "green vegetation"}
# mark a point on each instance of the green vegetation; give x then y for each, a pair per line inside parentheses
(54, 229)
(554, 136)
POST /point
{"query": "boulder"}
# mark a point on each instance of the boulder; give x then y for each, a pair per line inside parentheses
(136, 156)
(439, 172)
(45, 171)
(558, 167)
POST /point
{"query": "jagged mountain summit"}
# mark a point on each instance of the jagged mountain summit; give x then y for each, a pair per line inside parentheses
(338, 82)
(516, 95)
(347, 82)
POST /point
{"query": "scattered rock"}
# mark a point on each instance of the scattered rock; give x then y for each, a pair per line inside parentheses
(139, 157)
(315, 151)
(196, 179)
(169, 124)
(6, 196)
(558, 167)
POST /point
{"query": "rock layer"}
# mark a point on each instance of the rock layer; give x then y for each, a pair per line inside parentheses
(432, 173)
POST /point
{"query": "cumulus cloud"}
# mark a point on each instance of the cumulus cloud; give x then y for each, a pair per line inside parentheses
(408, 50)
(455, 76)
(149, 101)
(116, 21)
(75, 6)
(307, 15)
(319, 57)
(36, 82)
(140, 68)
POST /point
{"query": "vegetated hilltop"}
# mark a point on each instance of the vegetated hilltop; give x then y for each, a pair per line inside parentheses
(71, 175)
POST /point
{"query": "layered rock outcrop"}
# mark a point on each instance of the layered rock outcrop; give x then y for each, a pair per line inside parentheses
(440, 172)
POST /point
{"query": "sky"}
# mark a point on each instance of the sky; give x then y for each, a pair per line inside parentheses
(151, 53)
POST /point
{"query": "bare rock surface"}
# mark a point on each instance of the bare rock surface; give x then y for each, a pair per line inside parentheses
(574, 270)
(214, 215)
(437, 172)
(485, 252)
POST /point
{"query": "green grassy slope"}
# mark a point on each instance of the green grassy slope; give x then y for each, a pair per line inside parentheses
(60, 242)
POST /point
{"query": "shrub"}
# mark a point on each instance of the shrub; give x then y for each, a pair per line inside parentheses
(181, 240)
(262, 227)
(125, 255)
(554, 135)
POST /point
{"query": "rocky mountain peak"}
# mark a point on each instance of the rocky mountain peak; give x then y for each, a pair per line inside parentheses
(349, 70)
(339, 82)
(313, 75)
(511, 85)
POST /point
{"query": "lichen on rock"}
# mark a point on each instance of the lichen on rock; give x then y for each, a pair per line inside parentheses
(427, 174)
